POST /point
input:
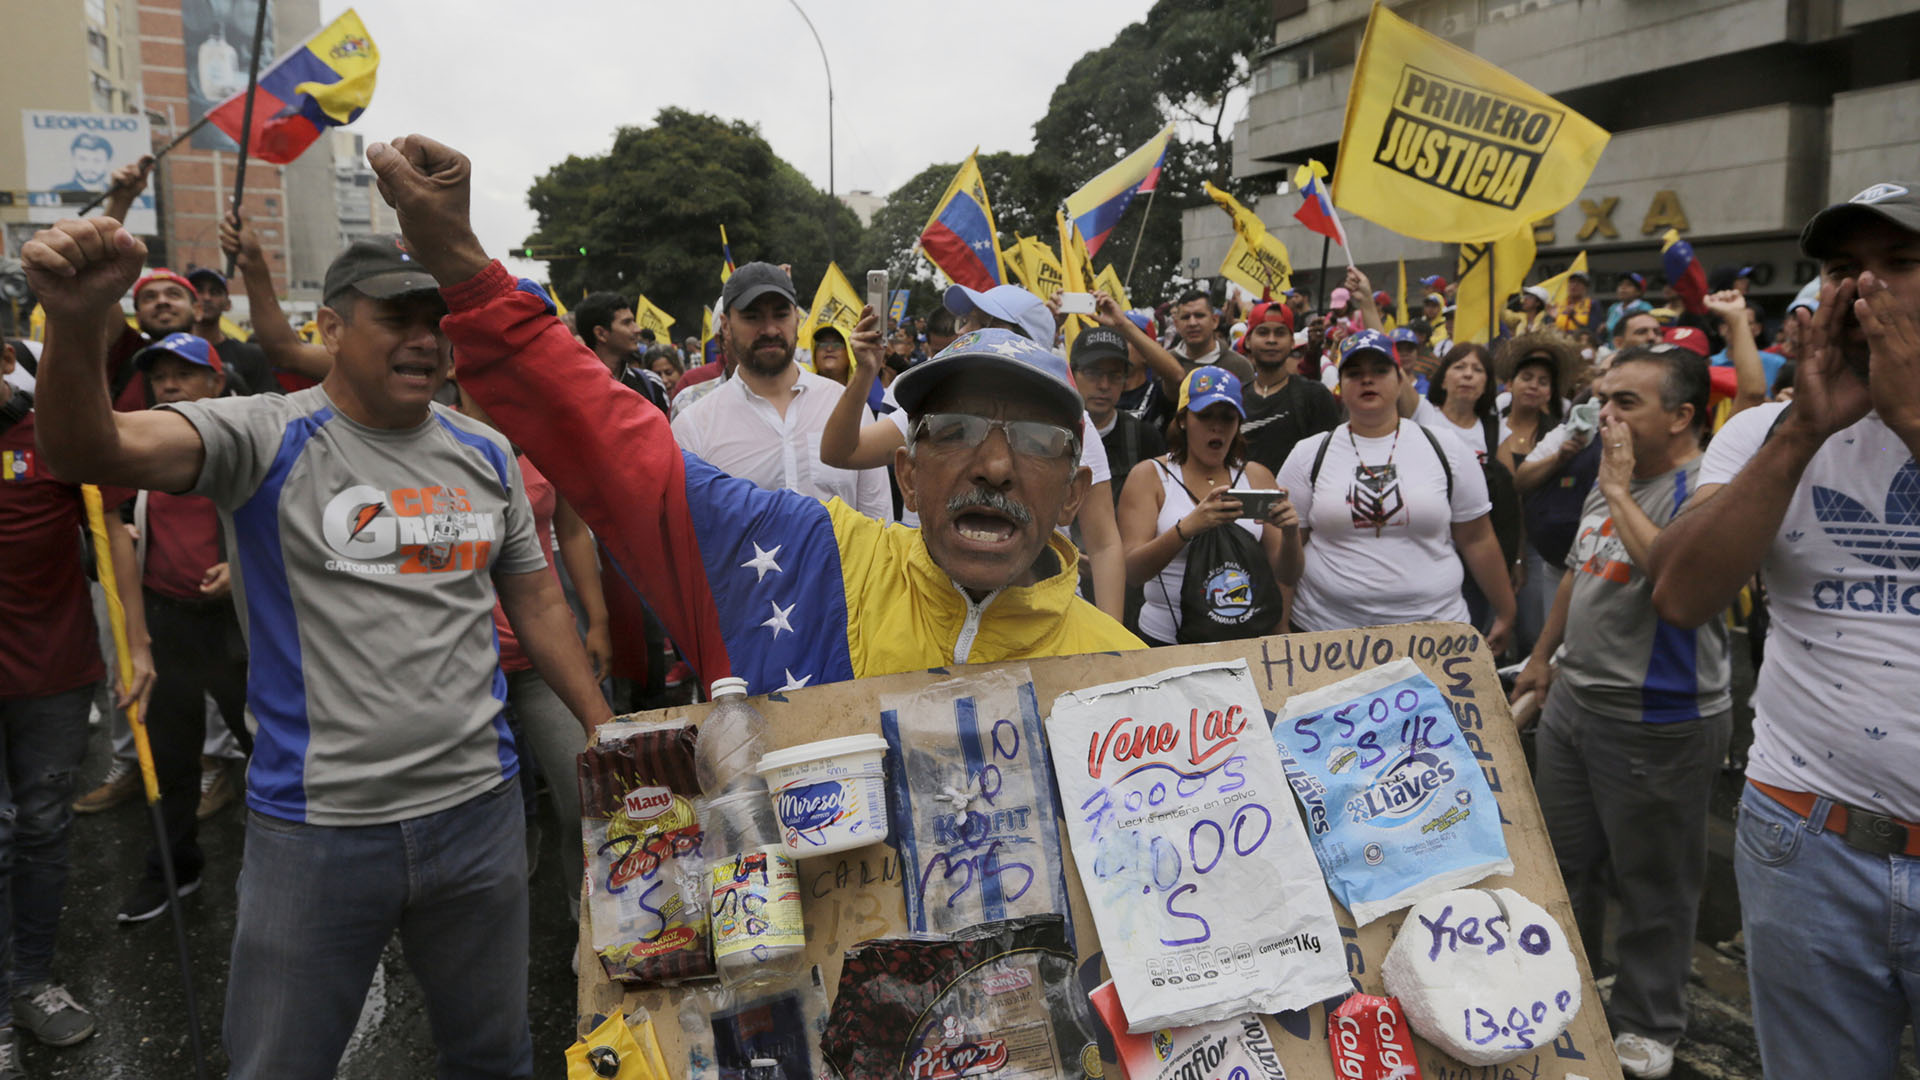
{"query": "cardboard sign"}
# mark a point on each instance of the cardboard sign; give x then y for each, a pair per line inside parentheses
(858, 895)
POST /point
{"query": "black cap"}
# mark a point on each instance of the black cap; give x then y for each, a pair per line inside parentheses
(1890, 202)
(1096, 343)
(207, 273)
(377, 266)
(751, 282)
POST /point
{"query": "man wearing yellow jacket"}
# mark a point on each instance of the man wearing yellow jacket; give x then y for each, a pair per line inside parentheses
(772, 586)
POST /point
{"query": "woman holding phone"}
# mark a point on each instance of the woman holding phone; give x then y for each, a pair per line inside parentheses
(1389, 512)
(1171, 501)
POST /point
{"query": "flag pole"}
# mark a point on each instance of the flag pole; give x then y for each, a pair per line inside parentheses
(246, 115)
(1493, 308)
(117, 619)
(1320, 303)
(1135, 257)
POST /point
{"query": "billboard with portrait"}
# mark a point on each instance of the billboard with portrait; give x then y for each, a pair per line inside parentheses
(219, 40)
(70, 155)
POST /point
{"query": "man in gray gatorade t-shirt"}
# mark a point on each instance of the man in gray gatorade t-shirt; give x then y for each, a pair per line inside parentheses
(371, 530)
(1636, 724)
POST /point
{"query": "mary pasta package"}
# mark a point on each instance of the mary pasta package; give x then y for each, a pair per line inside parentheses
(1396, 804)
(1202, 885)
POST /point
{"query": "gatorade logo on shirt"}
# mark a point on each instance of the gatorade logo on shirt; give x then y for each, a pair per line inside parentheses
(1889, 540)
(1602, 553)
(410, 530)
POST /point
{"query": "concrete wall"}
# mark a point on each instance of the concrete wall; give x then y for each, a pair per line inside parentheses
(1856, 12)
(1874, 138)
(1555, 48)
(1761, 170)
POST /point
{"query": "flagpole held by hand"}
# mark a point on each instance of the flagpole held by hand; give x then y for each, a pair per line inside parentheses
(122, 650)
(246, 113)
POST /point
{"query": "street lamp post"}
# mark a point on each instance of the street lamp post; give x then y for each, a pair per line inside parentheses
(832, 195)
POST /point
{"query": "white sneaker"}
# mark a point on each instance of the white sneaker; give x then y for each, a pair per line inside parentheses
(1643, 1057)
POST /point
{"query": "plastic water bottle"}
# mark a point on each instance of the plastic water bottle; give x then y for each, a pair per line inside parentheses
(758, 938)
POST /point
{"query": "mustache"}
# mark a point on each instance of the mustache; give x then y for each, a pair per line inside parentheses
(988, 499)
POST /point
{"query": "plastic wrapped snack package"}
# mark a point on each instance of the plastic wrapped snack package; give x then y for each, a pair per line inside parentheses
(646, 885)
(618, 1049)
(1000, 1000)
(1236, 1049)
(1397, 807)
(1190, 848)
(1484, 974)
(972, 803)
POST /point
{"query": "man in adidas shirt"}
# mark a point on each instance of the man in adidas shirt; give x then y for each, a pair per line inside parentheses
(1823, 498)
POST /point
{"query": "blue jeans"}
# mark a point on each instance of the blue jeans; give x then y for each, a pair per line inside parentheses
(317, 905)
(43, 740)
(1833, 944)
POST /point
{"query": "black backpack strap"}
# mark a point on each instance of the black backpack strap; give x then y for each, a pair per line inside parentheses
(1319, 458)
(1445, 466)
(1490, 431)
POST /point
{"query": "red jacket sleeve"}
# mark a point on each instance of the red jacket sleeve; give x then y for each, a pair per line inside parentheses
(609, 452)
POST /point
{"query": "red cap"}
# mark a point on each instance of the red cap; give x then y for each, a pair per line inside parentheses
(1691, 338)
(1270, 311)
(164, 274)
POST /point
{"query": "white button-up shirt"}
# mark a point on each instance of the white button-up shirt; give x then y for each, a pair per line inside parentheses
(741, 433)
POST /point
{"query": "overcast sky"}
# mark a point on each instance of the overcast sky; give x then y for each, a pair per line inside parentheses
(519, 86)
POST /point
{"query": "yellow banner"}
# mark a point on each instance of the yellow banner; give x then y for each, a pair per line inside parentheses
(650, 317)
(1037, 267)
(1441, 145)
(835, 303)
(1488, 275)
(1079, 273)
(1262, 270)
(1107, 281)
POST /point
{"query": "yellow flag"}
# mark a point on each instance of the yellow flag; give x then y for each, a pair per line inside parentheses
(650, 317)
(1036, 266)
(1079, 274)
(1258, 261)
(1488, 275)
(558, 307)
(232, 330)
(1441, 145)
(1108, 281)
(835, 303)
(1557, 284)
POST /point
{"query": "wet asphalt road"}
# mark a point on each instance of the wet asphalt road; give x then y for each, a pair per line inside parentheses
(129, 975)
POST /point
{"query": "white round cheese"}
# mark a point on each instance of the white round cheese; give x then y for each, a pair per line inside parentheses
(1484, 974)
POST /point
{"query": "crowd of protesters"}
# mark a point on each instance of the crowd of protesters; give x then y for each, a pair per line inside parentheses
(553, 520)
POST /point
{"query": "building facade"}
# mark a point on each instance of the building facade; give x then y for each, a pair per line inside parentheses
(132, 57)
(1732, 121)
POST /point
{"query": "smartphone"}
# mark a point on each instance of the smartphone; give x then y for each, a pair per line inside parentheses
(1256, 504)
(877, 299)
(1076, 303)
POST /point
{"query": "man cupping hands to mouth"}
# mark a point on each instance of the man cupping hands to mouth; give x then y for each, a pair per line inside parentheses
(773, 586)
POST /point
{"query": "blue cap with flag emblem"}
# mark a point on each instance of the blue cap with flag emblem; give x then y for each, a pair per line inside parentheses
(1367, 341)
(1029, 368)
(1211, 385)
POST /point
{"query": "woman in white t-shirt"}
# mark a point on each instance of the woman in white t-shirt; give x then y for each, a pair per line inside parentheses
(1169, 500)
(1461, 399)
(1389, 513)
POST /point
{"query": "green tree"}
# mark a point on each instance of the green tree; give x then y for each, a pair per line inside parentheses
(649, 212)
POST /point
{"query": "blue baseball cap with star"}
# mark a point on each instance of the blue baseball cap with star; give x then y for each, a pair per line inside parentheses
(1028, 369)
(1211, 385)
(1367, 341)
(193, 350)
(1405, 336)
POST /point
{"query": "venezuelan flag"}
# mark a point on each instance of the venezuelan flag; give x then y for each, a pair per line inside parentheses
(726, 256)
(1684, 272)
(1316, 210)
(1097, 207)
(960, 237)
(326, 82)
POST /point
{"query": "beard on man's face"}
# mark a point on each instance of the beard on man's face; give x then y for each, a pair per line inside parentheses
(757, 354)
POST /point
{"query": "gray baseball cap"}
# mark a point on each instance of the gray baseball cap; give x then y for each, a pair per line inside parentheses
(751, 282)
(1888, 201)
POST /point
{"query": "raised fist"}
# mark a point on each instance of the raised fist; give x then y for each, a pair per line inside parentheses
(429, 185)
(81, 266)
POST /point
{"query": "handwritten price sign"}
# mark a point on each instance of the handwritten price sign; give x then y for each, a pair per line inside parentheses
(1191, 851)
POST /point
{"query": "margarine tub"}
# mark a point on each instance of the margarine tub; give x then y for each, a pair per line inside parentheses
(830, 795)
